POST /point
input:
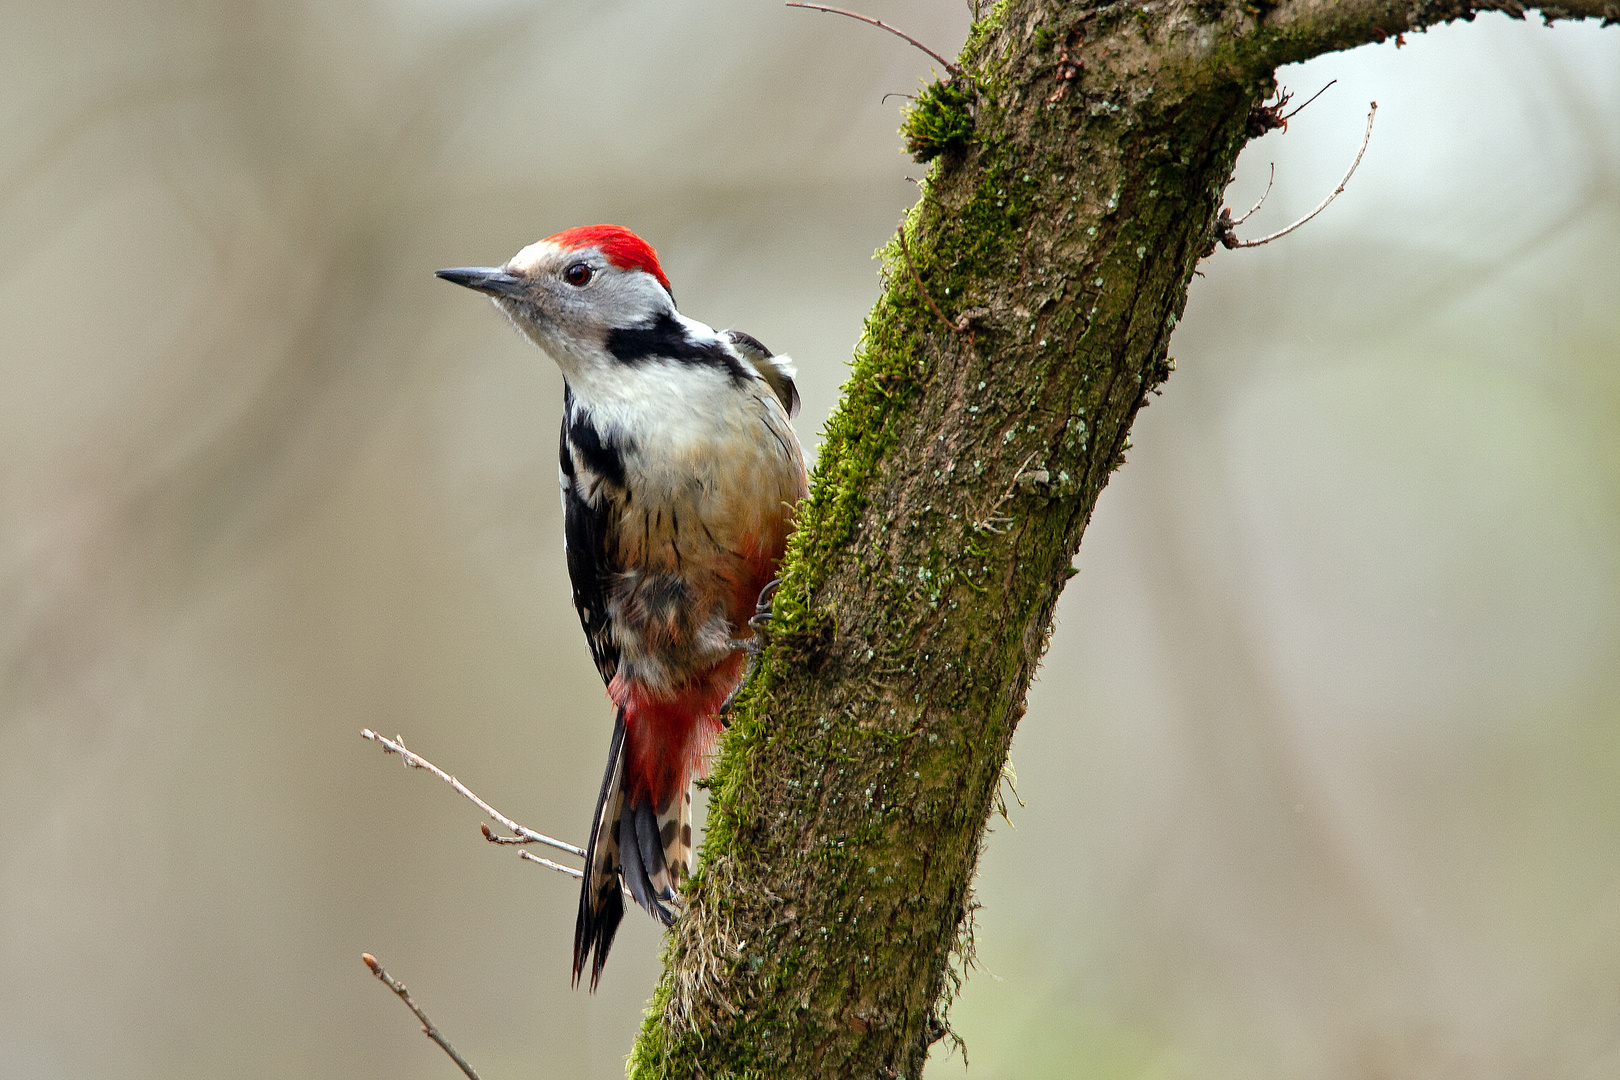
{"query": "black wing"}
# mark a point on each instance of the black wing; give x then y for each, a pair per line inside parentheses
(592, 475)
(778, 372)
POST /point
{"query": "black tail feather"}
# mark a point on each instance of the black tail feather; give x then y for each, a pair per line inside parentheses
(641, 853)
(631, 867)
(601, 905)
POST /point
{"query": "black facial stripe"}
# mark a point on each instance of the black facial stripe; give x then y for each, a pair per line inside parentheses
(667, 339)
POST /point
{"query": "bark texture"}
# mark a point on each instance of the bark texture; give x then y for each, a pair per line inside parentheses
(1079, 161)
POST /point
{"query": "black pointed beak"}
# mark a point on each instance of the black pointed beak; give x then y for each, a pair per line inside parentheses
(486, 279)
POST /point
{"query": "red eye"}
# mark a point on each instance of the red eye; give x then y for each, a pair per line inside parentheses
(577, 274)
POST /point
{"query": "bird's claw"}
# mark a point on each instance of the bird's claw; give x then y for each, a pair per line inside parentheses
(762, 615)
(751, 645)
(767, 596)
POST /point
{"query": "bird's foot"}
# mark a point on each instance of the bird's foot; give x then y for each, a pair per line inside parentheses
(751, 645)
(762, 615)
(762, 608)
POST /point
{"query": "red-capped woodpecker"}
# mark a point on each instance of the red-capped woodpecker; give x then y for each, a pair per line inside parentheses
(680, 472)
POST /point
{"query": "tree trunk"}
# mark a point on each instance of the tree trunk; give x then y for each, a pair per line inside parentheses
(1079, 160)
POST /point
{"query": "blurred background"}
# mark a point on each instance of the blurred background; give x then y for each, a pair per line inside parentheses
(1321, 780)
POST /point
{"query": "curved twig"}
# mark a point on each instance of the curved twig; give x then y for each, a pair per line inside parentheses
(950, 67)
(1232, 242)
(1260, 200)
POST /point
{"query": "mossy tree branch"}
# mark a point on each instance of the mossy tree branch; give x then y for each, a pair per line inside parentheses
(1080, 160)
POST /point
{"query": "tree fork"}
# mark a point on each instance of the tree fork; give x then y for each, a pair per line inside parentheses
(1079, 162)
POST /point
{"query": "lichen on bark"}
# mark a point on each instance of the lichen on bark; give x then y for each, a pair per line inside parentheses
(1078, 163)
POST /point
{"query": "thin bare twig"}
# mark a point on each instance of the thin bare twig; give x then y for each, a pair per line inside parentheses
(1308, 100)
(489, 835)
(1259, 201)
(1230, 241)
(524, 835)
(427, 1025)
(950, 67)
(548, 864)
(559, 867)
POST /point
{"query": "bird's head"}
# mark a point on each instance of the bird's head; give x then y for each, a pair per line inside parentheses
(568, 292)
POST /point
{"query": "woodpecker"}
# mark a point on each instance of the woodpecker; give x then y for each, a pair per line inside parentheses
(680, 473)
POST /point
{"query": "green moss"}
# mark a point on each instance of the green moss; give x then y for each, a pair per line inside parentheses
(981, 33)
(649, 1053)
(883, 384)
(890, 371)
(940, 121)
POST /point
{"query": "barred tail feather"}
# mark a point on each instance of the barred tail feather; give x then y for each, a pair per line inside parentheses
(675, 834)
